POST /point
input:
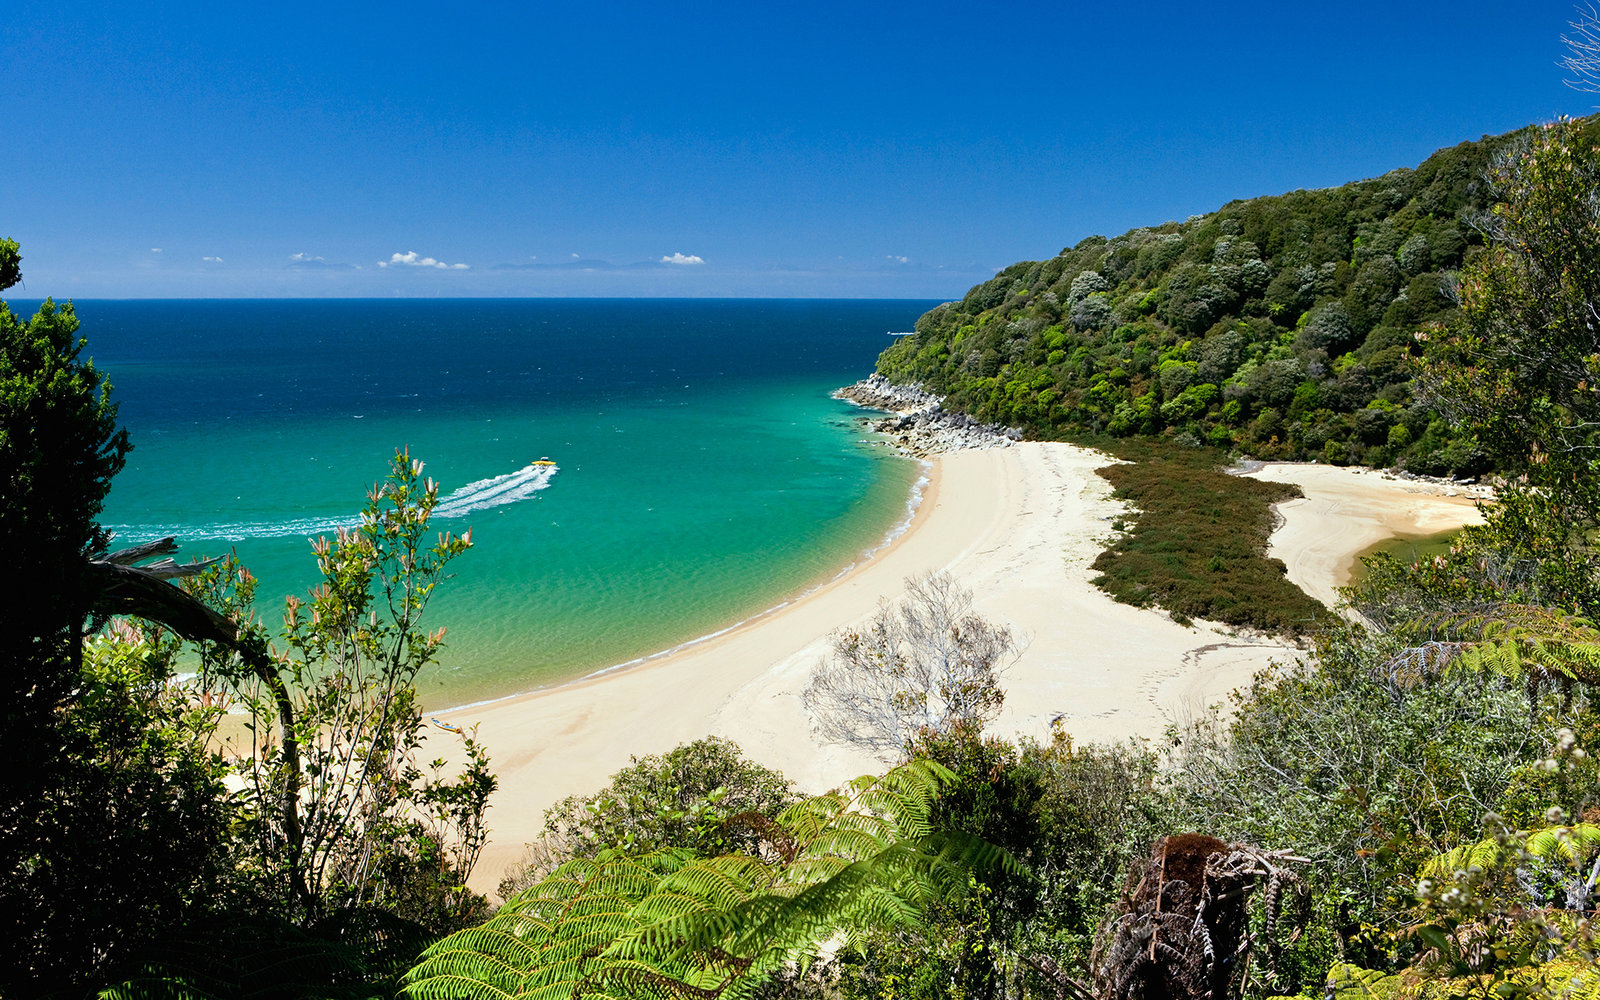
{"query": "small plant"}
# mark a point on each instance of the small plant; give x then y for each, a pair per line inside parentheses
(926, 664)
(1197, 544)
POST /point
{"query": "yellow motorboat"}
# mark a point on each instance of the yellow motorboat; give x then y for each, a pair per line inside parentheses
(543, 460)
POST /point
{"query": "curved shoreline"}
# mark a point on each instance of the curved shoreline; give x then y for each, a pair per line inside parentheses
(1346, 510)
(923, 488)
(1019, 527)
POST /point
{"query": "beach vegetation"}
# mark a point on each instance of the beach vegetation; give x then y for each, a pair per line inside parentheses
(1367, 807)
(132, 834)
(1074, 817)
(1428, 765)
(684, 798)
(344, 853)
(341, 810)
(927, 663)
(348, 850)
(1519, 364)
(1410, 810)
(1341, 325)
(1197, 544)
(1265, 327)
(139, 840)
(1500, 866)
(93, 754)
(674, 922)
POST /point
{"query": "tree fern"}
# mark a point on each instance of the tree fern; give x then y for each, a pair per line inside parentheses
(1483, 855)
(1558, 979)
(671, 923)
(1569, 844)
(1532, 644)
(1572, 844)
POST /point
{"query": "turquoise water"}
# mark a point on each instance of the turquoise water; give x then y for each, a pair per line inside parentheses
(704, 474)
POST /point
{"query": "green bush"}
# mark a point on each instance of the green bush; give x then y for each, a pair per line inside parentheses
(1197, 546)
(680, 799)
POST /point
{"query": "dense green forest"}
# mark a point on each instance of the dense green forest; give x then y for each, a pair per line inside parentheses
(1411, 811)
(1286, 327)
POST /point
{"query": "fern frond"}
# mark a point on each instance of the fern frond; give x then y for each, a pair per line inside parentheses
(1534, 658)
(1568, 843)
(672, 924)
(1571, 844)
(1536, 645)
(1483, 855)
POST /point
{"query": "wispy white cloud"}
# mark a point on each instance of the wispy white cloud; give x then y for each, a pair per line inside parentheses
(155, 249)
(212, 260)
(682, 258)
(413, 259)
(315, 262)
(903, 260)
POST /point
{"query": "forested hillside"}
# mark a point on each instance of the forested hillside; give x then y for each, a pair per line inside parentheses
(1284, 326)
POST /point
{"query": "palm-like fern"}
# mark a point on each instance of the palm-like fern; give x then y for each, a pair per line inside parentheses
(1535, 645)
(674, 924)
(1556, 854)
(1571, 845)
(1484, 855)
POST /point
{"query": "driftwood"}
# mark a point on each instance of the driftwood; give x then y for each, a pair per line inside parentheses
(166, 569)
(142, 592)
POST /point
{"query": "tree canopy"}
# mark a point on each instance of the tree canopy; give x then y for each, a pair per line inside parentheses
(1284, 326)
(59, 449)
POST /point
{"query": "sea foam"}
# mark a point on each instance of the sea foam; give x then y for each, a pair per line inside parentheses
(483, 494)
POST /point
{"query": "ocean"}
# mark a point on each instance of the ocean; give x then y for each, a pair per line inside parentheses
(703, 473)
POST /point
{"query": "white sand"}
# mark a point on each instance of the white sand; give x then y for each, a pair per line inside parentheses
(1348, 510)
(1019, 527)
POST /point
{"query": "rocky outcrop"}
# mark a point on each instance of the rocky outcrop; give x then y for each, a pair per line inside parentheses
(919, 423)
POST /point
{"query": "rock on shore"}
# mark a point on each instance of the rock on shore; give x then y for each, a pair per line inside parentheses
(919, 423)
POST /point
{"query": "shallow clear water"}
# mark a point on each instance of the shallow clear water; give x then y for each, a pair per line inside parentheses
(1406, 548)
(704, 474)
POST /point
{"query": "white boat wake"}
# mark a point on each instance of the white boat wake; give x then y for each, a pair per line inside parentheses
(496, 492)
(481, 495)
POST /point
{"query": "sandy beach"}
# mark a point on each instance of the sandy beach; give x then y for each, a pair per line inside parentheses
(1018, 526)
(1347, 510)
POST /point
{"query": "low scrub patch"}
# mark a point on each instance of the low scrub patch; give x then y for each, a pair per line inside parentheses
(1196, 543)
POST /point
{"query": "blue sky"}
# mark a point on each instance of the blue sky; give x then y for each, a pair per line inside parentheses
(705, 149)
